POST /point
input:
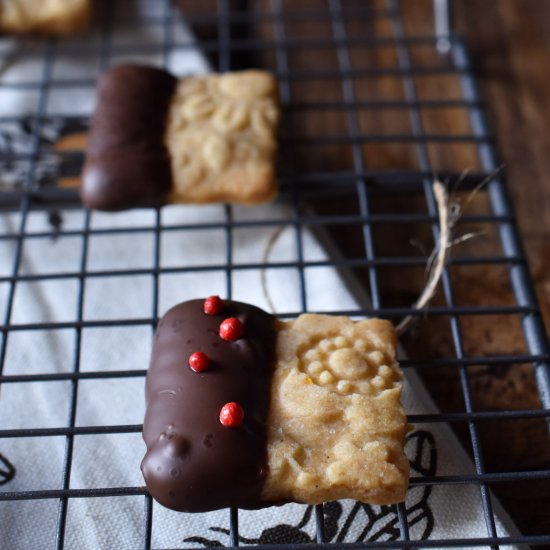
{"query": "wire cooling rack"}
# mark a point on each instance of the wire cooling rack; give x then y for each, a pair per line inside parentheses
(352, 66)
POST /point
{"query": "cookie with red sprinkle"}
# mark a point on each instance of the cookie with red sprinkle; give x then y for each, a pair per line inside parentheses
(306, 410)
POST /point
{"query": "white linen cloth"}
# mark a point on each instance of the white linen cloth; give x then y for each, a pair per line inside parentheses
(440, 511)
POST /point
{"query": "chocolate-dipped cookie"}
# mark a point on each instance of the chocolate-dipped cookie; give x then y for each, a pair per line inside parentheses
(245, 410)
(156, 140)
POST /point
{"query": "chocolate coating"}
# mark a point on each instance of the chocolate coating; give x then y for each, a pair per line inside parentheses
(193, 463)
(127, 164)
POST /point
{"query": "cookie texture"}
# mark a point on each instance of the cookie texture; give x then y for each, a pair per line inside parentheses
(336, 425)
(58, 17)
(244, 410)
(221, 138)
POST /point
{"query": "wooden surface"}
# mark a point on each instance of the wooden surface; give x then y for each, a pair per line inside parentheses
(510, 45)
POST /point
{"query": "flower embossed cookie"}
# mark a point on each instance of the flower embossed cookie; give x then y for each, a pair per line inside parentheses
(305, 411)
(156, 140)
(336, 427)
(221, 138)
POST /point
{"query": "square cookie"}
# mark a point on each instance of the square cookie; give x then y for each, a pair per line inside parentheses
(245, 410)
(336, 427)
(156, 140)
(221, 138)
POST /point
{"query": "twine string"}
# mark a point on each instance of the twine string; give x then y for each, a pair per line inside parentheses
(274, 237)
(438, 257)
(448, 212)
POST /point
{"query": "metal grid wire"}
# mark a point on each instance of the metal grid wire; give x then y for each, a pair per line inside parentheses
(357, 182)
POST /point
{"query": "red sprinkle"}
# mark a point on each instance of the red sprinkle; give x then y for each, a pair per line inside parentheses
(231, 329)
(198, 361)
(212, 305)
(232, 415)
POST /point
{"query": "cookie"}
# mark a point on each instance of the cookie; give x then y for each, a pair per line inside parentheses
(336, 428)
(57, 17)
(221, 138)
(212, 139)
(245, 410)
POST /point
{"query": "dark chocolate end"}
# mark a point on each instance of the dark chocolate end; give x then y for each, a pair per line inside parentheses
(127, 164)
(194, 463)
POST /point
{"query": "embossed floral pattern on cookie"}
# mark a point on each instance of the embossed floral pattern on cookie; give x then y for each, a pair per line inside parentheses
(221, 136)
